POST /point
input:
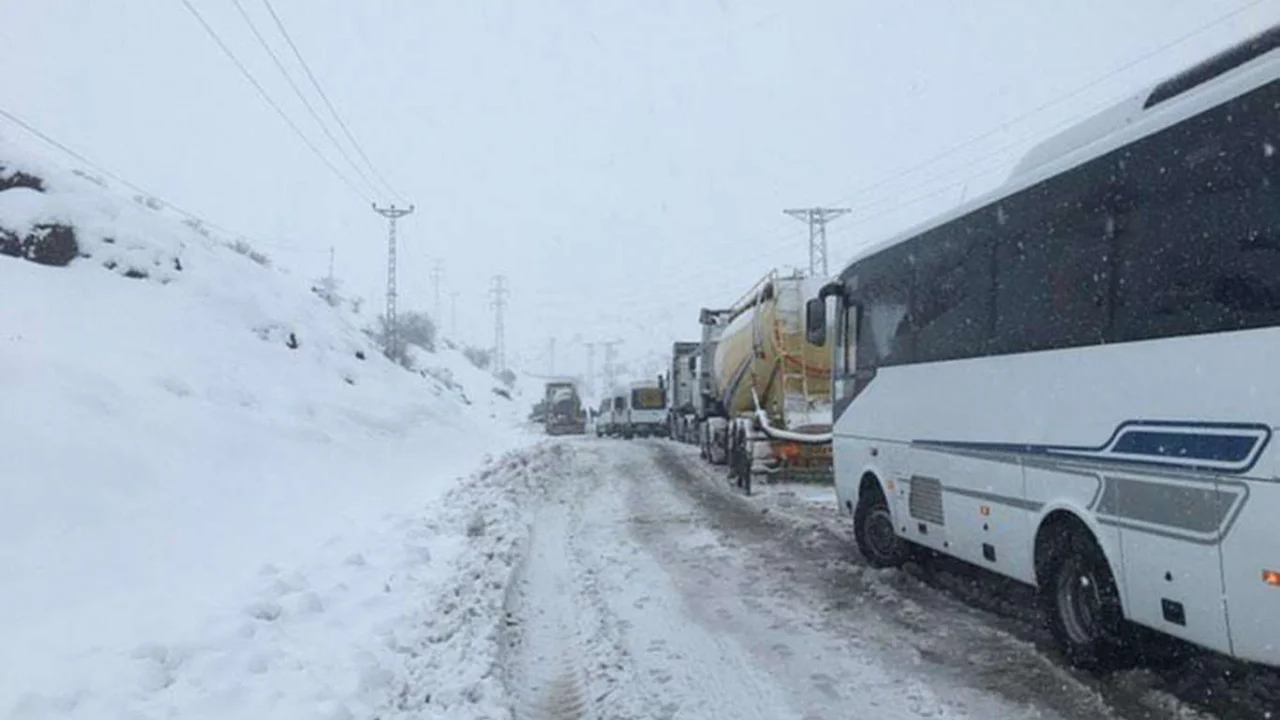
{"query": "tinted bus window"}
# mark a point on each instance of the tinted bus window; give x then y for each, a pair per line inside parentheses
(883, 285)
(1052, 263)
(1200, 246)
(951, 306)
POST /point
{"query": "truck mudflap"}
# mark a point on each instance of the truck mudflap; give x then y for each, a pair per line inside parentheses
(785, 461)
(754, 457)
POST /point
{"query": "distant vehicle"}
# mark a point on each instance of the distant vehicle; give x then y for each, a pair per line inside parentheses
(563, 407)
(682, 391)
(618, 413)
(1070, 381)
(645, 406)
(604, 418)
(710, 421)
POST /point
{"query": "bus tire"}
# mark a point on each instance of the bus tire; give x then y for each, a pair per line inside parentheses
(873, 530)
(1081, 601)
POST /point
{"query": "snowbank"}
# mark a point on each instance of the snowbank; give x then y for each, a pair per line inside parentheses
(409, 626)
(178, 414)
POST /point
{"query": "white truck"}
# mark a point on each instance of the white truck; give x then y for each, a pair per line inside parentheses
(682, 392)
(646, 410)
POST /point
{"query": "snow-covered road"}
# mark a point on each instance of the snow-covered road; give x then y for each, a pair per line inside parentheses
(648, 592)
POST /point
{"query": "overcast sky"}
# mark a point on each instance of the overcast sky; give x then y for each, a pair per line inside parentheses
(622, 163)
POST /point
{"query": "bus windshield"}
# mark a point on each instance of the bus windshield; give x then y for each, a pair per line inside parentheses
(648, 399)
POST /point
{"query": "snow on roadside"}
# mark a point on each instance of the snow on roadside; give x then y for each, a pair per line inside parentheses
(405, 622)
(179, 413)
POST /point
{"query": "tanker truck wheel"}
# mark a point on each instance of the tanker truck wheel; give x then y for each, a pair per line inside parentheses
(739, 459)
(744, 459)
(731, 458)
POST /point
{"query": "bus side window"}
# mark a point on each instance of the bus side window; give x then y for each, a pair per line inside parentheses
(844, 334)
(849, 349)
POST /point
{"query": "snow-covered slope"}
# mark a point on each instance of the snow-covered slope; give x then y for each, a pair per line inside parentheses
(175, 416)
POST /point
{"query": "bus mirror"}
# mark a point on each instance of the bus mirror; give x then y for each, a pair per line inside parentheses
(815, 324)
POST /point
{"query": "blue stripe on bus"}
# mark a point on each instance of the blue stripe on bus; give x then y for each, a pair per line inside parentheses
(1221, 448)
(1166, 446)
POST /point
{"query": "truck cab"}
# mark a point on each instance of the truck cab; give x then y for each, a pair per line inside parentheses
(564, 411)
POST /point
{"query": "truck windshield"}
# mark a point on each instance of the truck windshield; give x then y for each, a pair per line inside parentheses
(648, 399)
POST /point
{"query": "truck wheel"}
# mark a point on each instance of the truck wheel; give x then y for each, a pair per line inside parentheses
(739, 460)
(1081, 602)
(731, 457)
(873, 531)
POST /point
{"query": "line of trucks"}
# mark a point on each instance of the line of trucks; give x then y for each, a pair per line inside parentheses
(752, 393)
(637, 410)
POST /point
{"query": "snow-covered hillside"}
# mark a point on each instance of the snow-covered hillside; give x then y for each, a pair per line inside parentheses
(178, 415)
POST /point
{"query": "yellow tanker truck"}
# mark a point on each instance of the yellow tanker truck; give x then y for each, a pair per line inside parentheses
(768, 391)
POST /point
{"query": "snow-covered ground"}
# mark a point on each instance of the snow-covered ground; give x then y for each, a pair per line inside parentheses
(198, 451)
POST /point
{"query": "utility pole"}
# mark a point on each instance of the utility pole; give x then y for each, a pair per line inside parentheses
(591, 366)
(817, 219)
(392, 214)
(453, 314)
(609, 355)
(499, 292)
(437, 272)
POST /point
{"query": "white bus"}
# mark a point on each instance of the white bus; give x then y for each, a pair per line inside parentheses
(1074, 381)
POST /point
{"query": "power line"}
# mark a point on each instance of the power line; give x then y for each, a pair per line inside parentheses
(861, 219)
(705, 292)
(267, 98)
(862, 205)
(324, 127)
(40, 134)
(1056, 101)
(325, 96)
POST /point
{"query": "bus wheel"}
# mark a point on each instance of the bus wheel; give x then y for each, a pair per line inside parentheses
(873, 531)
(1081, 601)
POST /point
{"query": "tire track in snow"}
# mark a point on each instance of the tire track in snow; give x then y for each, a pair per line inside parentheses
(561, 657)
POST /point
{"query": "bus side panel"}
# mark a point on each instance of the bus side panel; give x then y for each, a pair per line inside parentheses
(1252, 545)
(1173, 574)
(847, 472)
(983, 508)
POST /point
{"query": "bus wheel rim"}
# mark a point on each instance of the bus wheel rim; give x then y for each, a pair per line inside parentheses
(880, 534)
(1080, 605)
